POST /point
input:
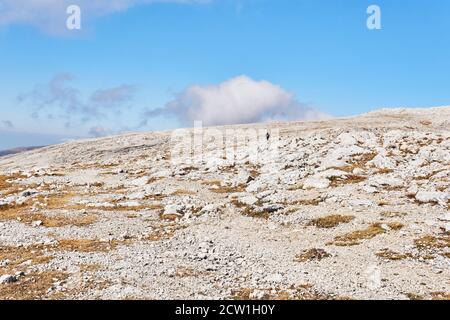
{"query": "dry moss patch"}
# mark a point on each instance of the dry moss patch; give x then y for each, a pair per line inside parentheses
(312, 254)
(330, 221)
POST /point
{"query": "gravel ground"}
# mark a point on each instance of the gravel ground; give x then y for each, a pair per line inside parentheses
(354, 208)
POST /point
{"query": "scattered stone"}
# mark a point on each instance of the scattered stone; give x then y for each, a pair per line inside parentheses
(7, 278)
(436, 197)
(316, 183)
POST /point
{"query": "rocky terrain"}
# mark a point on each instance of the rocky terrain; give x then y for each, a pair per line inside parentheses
(354, 208)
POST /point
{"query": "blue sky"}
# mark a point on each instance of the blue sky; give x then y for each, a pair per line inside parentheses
(154, 66)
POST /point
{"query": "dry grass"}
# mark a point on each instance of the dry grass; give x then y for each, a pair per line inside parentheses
(430, 245)
(433, 242)
(229, 189)
(395, 225)
(302, 292)
(164, 232)
(8, 181)
(16, 256)
(440, 296)
(392, 255)
(22, 212)
(55, 221)
(390, 214)
(360, 162)
(33, 286)
(356, 237)
(90, 267)
(85, 245)
(384, 171)
(331, 221)
(182, 192)
(307, 202)
(248, 211)
(348, 179)
(312, 254)
(414, 296)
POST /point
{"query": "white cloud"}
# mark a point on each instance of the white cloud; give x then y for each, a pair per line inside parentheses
(50, 15)
(238, 100)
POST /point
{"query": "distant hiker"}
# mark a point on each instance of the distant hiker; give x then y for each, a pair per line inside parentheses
(267, 136)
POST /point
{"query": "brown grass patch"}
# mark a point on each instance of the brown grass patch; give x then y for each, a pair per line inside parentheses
(440, 296)
(433, 242)
(248, 211)
(7, 181)
(330, 221)
(22, 212)
(90, 267)
(312, 254)
(33, 286)
(414, 296)
(228, 189)
(182, 192)
(164, 232)
(301, 292)
(392, 255)
(358, 163)
(307, 202)
(86, 245)
(390, 214)
(356, 237)
(348, 179)
(17, 255)
(56, 221)
(429, 245)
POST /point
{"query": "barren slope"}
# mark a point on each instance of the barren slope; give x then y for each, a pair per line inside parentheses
(349, 208)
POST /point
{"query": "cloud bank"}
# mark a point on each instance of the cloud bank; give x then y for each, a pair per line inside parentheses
(50, 15)
(239, 100)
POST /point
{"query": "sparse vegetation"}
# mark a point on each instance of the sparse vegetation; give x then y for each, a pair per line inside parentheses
(312, 254)
(331, 221)
(301, 292)
(85, 245)
(392, 255)
(34, 286)
(355, 237)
